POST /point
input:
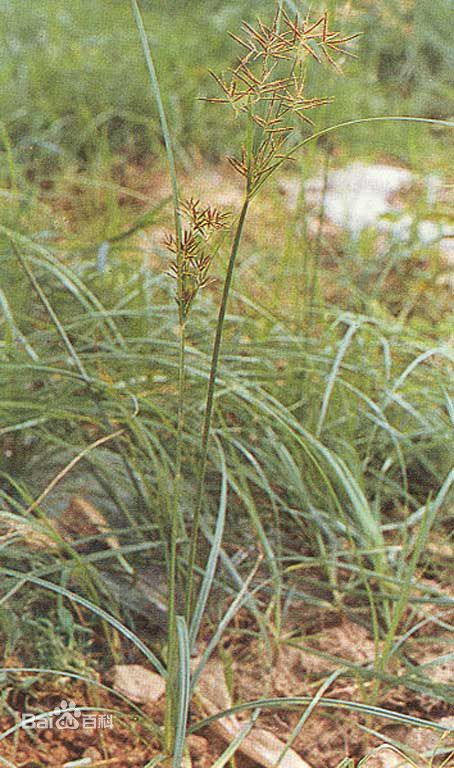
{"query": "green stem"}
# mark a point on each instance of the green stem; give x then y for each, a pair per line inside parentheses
(172, 640)
(209, 407)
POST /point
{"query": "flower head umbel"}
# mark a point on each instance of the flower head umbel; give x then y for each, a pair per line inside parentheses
(196, 249)
(268, 85)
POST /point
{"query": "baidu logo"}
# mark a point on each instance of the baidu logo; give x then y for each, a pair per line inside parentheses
(67, 716)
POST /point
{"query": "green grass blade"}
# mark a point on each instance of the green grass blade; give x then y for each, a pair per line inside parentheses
(51, 312)
(162, 116)
(183, 690)
(213, 557)
(90, 681)
(343, 347)
(234, 745)
(291, 702)
(234, 607)
(100, 612)
(307, 713)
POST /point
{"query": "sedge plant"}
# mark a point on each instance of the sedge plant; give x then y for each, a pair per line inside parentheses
(267, 93)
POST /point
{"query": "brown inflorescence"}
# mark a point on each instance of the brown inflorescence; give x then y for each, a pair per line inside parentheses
(255, 89)
(195, 251)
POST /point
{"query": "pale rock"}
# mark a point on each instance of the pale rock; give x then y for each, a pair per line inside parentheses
(447, 249)
(425, 740)
(381, 179)
(138, 684)
(197, 745)
(387, 757)
(358, 196)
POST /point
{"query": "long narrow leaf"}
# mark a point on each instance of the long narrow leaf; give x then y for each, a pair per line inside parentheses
(183, 690)
(292, 702)
(94, 609)
(210, 569)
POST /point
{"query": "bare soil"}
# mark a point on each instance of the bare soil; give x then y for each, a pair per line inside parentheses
(327, 737)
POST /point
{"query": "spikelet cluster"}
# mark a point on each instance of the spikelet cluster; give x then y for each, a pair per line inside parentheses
(193, 255)
(268, 85)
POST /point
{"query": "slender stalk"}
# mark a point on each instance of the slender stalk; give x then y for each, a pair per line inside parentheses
(314, 277)
(346, 124)
(209, 407)
(162, 116)
(51, 312)
(172, 657)
(172, 644)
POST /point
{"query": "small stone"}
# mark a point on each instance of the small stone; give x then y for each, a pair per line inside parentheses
(197, 745)
(424, 739)
(387, 758)
(138, 684)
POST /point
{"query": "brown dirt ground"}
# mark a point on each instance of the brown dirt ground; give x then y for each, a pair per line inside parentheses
(327, 737)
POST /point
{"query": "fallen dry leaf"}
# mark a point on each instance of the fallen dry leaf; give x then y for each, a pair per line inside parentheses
(260, 745)
(32, 533)
(83, 518)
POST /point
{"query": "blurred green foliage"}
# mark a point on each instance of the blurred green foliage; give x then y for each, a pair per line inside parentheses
(72, 79)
